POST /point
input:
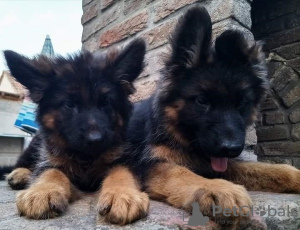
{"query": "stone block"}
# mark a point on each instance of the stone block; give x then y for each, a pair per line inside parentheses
(106, 3)
(269, 103)
(291, 94)
(294, 116)
(272, 118)
(295, 133)
(89, 14)
(282, 77)
(165, 8)
(131, 6)
(159, 35)
(278, 148)
(289, 51)
(272, 133)
(295, 63)
(123, 30)
(296, 162)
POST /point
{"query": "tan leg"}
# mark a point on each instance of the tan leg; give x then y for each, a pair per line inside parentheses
(19, 178)
(121, 200)
(179, 186)
(47, 197)
(264, 177)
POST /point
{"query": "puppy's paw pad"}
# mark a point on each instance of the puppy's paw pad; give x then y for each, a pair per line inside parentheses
(40, 202)
(19, 178)
(122, 206)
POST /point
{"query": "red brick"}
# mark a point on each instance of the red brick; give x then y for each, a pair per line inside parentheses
(106, 3)
(108, 17)
(166, 8)
(89, 14)
(131, 6)
(124, 30)
(159, 35)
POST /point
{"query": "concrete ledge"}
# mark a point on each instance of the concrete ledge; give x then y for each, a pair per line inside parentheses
(82, 215)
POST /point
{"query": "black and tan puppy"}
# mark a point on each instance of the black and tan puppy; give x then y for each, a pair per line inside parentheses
(83, 111)
(183, 140)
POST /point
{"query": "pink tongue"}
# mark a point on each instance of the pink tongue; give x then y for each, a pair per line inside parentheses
(219, 164)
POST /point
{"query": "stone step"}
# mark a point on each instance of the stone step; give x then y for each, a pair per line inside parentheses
(82, 215)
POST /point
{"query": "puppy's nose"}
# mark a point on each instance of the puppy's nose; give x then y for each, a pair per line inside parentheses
(232, 149)
(94, 136)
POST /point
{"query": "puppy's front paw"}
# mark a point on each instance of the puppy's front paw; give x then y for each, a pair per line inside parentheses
(221, 195)
(19, 178)
(42, 201)
(122, 205)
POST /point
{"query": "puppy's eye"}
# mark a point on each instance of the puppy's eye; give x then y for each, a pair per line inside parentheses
(202, 102)
(70, 105)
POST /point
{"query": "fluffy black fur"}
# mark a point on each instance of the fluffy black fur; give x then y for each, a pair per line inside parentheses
(83, 109)
(207, 97)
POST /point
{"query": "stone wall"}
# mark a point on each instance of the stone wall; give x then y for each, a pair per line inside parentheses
(116, 22)
(108, 22)
(277, 22)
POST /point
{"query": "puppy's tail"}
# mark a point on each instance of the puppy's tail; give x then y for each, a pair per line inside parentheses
(5, 170)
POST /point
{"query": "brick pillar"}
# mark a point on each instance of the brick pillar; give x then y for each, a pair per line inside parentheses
(277, 22)
(109, 22)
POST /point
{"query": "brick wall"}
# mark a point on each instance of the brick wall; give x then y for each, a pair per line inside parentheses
(110, 22)
(277, 22)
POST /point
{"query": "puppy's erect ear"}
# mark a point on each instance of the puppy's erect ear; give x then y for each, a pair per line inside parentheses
(232, 47)
(191, 39)
(29, 73)
(130, 63)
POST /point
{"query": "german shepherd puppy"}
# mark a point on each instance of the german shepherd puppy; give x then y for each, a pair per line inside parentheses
(184, 138)
(83, 111)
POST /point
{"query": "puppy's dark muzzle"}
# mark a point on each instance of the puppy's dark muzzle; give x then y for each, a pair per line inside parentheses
(231, 149)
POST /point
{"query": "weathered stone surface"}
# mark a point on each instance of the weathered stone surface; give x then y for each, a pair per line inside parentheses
(131, 6)
(278, 148)
(230, 23)
(108, 17)
(85, 2)
(277, 132)
(89, 14)
(295, 63)
(269, 104)
(106, 3)
(123, 30)
(289, 51)
(165, 8)
(295, 116)
(82, 214)
(291, 95)
(251, 138)
(282, 77)
(295, 133)
(145, 86)
(272, 118)
(159, 35)
(282, 38)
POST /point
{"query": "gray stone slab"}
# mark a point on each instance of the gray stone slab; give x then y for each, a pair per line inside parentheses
(82, 214)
